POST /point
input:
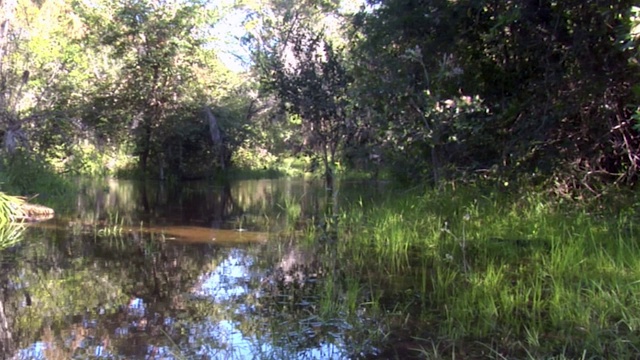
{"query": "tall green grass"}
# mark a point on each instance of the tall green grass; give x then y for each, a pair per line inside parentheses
(524, 274)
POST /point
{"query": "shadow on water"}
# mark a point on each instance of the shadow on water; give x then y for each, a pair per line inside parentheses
(146, 271)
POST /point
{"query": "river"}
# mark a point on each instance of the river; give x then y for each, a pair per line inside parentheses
(184, 271)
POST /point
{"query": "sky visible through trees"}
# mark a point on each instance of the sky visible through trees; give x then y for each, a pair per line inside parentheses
(420, 91)
(476, 110)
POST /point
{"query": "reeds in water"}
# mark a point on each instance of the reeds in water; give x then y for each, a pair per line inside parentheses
(523, 274)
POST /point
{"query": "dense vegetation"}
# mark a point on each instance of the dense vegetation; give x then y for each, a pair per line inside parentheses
(544, 94)
(421, 90)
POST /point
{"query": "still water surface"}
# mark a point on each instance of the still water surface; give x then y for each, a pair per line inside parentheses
(193, 271)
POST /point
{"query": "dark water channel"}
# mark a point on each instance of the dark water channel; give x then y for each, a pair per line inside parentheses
(153, 271)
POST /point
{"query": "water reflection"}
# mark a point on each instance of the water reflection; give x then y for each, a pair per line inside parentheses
(217, 206)
(228, 280)
(98, 291)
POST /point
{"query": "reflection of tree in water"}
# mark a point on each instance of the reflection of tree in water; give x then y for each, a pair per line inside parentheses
(195, 204)
(12, 294)
(254, 205)
(97, 197)
(124, 292)
(288, 306)
(7, 312)
(135, 296)
(138, 297)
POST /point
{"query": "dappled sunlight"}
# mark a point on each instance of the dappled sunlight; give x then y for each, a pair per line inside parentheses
(280, 179)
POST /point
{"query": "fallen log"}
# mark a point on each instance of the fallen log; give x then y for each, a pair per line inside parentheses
(26, 212)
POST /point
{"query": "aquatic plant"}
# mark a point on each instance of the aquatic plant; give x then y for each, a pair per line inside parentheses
(292, 210)
(523, 274)
(10, 233)
(8, 206)
(112, 228)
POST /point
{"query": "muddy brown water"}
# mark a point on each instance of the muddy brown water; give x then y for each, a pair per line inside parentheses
(152, 271)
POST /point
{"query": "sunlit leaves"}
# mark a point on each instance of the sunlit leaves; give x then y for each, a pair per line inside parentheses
(158, 46)
(309, 77)
(9, 233)
(8, 206)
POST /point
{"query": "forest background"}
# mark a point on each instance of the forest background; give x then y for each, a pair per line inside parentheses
(543, 92)
(530, 97)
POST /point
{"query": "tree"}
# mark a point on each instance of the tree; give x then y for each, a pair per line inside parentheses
(508, 87)
(297, 61)
(35, 47)
(158, 47)
(312, 83)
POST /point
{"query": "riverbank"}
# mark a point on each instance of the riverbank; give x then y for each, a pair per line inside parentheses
(472, 272)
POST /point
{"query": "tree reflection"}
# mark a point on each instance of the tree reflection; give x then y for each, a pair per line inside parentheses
(10, 235)
(7, 348)
(108, 285)
(132, 294)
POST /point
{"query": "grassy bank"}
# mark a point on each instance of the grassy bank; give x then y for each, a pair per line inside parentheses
(482, 273)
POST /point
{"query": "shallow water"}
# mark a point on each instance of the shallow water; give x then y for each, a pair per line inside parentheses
(154, 271)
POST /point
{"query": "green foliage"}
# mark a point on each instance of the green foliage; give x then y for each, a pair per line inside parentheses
(482, 265)
(431, 91)
(244, 158)
(8, 205)
(259, 163)
(27, 175)
(158, 90)
(548, 85)
(10, 233)
(298, 62)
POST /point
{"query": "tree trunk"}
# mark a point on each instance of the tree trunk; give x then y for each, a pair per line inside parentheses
(146, 145)
(435, 164)
(216, 136)
(328, 170)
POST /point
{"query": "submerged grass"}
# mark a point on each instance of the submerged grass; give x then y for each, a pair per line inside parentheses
(524, 275)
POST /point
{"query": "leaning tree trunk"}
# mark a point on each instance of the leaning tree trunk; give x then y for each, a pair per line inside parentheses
(216, 135)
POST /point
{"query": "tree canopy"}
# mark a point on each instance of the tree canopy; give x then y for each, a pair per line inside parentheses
(426, 91)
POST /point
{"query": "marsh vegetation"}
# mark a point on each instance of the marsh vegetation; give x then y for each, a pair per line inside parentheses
(467, 273)
(456, 179)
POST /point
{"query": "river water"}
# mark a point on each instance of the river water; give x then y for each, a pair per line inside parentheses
(186, 271)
